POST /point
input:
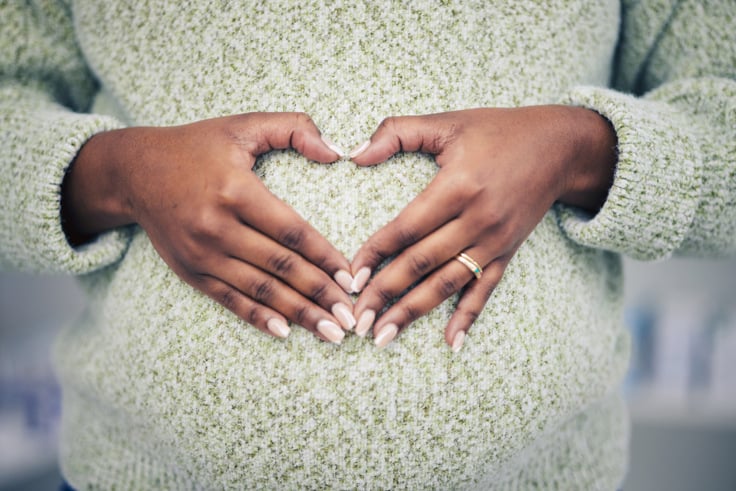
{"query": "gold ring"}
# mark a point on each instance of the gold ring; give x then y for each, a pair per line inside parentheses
(471, 264)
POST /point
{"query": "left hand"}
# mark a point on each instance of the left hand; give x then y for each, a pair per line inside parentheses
(500, 172)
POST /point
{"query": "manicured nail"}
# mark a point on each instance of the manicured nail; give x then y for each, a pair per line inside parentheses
(344, 315)
(330, 330)
(361, 278)
(387, 334)
(332, 146)
(457, 343)
(359, 149)
(278, 327)
(345, 280)
(365, 322)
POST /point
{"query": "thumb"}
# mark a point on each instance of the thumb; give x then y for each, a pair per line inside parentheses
(298, 131)
(401, 134)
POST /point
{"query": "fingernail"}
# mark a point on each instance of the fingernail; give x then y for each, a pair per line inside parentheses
(457, 343)
(387, 334)
(344, 315)
(345, 280)
(332, 146)
(330, 330)
(359, 149)
(278, 327)
(365, 322)
(361, 278)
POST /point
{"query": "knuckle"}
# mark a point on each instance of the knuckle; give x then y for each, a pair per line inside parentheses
(253, 315)
(384, 295)
(322, 262)
(420, 264)
(318, 292)
(447, 285)
(374, 253)
(293, 237)
(302, 124)
(193, 255)
(205, 225)
(410, 312)
(407, 235)
(263, 290)
(228, 298)
(281, 264)
(388, 123)
(231, 193)
(241, 137)
(468, 184)
(496, 221)
(301, 314)
(302, 118)
(470, 315)
(444, 137)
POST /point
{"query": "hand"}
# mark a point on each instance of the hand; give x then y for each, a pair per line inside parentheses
(500, 171)
(193, 191)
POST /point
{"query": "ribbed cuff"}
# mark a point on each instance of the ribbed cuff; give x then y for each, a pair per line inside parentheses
(655, 193)
(38, 147)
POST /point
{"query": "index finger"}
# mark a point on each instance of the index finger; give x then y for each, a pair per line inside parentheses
(436, 205)
(264, 211)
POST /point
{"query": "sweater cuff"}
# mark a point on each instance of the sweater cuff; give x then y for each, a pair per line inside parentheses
(655, 193)
(41, 147)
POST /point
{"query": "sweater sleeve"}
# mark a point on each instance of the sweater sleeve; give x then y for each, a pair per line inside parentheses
(674, 190)
(44, 88)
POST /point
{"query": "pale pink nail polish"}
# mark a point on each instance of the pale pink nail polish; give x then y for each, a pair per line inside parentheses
(359, 149)
(365, 322)
(345, 280)
(278, 327)
(344, 315)
(361, 278)
(331, 331)
(458, 341)
(339, 151)
(387, 334)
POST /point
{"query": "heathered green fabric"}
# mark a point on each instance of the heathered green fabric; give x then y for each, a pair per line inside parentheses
(164, 389)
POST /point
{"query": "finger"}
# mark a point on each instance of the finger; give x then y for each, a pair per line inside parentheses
(259, 316)
(440, 202)
(252, 247)
(297, 131)
(403, 134)
(471, 303)
(268, 290)
(435, 289)
(412, 265)
(261, 210)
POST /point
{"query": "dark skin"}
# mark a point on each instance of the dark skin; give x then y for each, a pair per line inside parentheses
(192, 189)
(500, 171)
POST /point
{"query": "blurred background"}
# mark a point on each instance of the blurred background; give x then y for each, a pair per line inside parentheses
(681, 386)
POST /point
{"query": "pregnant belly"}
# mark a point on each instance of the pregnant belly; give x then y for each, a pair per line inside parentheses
(262, 410)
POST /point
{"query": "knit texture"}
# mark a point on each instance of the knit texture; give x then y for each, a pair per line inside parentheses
(165, 389)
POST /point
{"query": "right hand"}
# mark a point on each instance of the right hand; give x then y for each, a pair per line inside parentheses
(193, 191)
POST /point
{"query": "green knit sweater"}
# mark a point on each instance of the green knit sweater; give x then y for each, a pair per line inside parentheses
(163, 388)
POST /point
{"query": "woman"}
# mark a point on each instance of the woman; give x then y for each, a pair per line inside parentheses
(165, 388)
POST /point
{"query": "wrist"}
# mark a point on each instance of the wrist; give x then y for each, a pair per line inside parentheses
(92, 193)
(593, 163)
